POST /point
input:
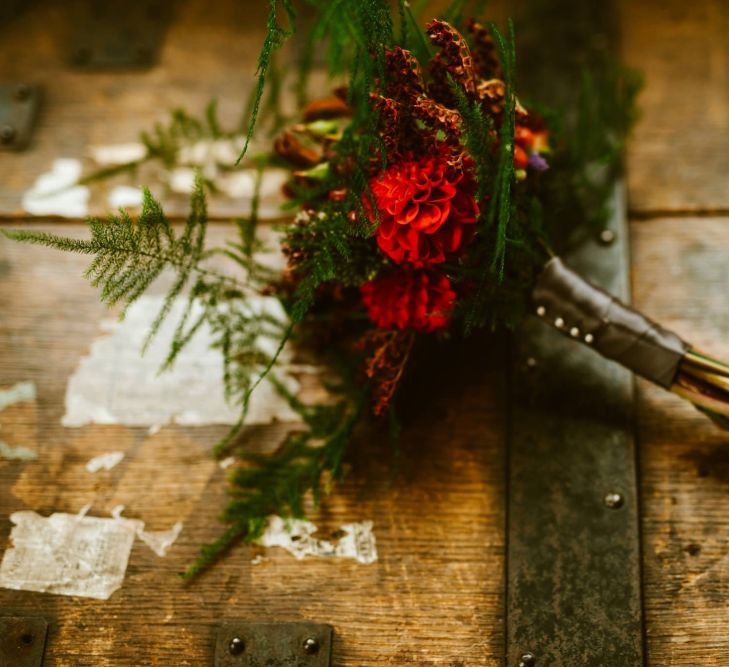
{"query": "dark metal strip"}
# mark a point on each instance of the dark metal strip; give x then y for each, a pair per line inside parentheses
(118, 34)
(246, 644)
(18, 109)
(573, 556)
(22, 641)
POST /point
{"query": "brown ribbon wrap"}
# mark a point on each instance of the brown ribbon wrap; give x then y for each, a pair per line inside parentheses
(583, 311)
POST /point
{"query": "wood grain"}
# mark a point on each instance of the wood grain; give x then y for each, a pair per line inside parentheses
(435, 595)
(680, 278)
(678, 159)
(209, 51)
(677, 163)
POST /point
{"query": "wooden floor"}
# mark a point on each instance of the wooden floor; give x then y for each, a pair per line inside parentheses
(435, 596)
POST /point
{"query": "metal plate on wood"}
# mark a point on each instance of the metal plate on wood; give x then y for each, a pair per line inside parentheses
(22, 641)
(243, 644)
(18, 108)
(118, 34)
(573, 571)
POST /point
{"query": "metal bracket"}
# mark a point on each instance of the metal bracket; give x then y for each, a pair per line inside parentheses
(117, 34)
(22, 641)
(18, 108)
(244, 644)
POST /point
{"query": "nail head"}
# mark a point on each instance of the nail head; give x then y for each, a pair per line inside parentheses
(236, 646)
(311, 646)
(607, 236)
(613, 500)
(559, 323)
(22, 92)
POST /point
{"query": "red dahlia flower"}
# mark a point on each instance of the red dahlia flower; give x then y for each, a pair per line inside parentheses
(427, 211)
(409, 300)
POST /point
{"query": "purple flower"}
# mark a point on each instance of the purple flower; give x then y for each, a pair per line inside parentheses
(537, 162)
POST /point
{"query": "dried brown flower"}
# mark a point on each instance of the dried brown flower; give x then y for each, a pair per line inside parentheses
(388, 352)
(288, 146)
(485, 56)
(328, 107)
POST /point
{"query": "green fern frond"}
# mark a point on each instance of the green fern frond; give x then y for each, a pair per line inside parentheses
(275, 37)
(477, 127)
(501, 204)
(278, 483)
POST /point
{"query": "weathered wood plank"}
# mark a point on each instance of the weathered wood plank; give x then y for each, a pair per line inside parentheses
(679, 155)
(394, 612)
(680, 278)
(209, 51)
(434, 597)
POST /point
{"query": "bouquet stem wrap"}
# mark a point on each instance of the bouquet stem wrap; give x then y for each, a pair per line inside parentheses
(580, 310)
(584, 312)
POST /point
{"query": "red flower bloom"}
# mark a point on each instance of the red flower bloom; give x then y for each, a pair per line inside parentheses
(426, 211)
(409, 300)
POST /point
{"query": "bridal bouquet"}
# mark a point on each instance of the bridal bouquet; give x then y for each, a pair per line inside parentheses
(428, 202)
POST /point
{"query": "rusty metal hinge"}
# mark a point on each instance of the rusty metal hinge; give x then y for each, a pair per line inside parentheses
(244, 644)
(22, 641)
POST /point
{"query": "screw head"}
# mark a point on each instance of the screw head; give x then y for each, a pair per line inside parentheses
(236, 646)
(311, 646)
(613, 500)
(559, 322)
(527, 659)
(606, 237)
(143, 55)
(7, 134)
(589, 338)
(22, 92)
(541, 311)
